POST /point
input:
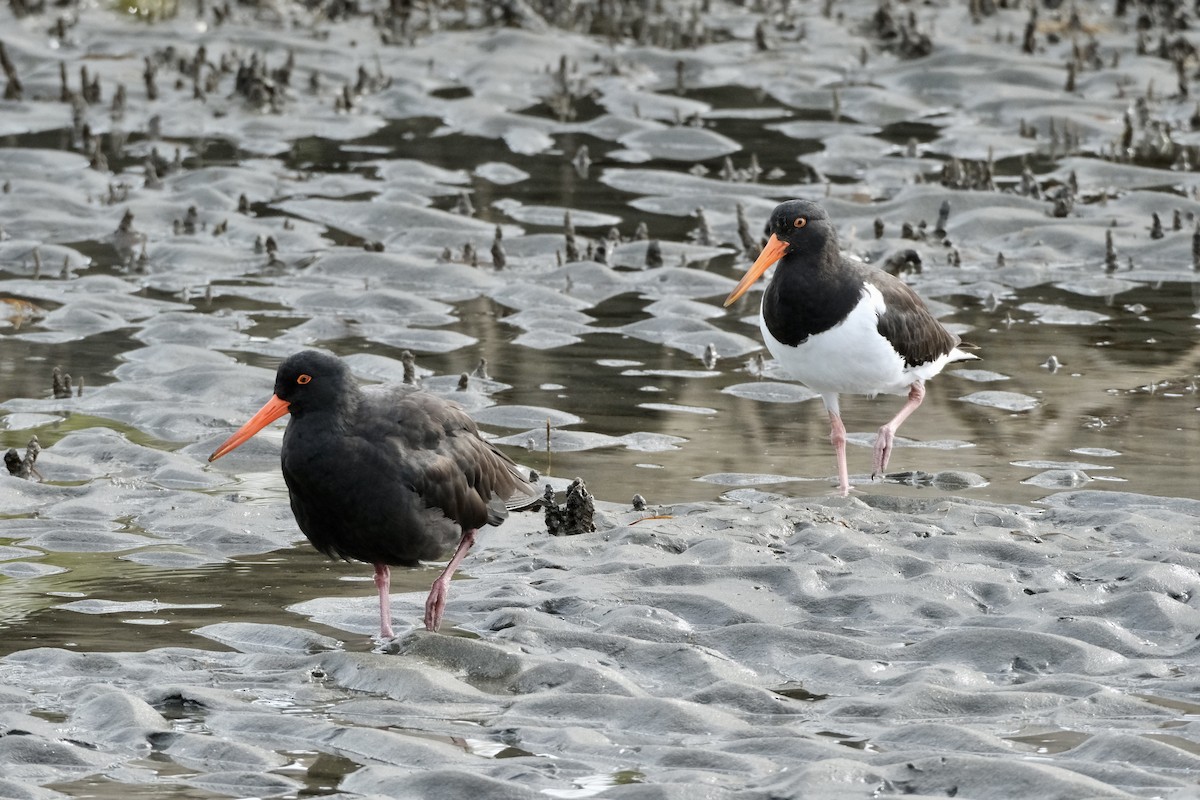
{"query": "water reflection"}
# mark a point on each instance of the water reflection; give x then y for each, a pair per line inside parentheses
(1125, 384)
(155, 607)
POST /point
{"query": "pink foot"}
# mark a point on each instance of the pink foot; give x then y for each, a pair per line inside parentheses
(887, 434)
(883, 451)
(435, 604)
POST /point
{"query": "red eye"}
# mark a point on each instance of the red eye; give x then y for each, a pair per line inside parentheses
(303, 379)
(800, 222)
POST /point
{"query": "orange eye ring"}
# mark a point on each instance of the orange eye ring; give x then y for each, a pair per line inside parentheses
(800, 222)
(303, 379)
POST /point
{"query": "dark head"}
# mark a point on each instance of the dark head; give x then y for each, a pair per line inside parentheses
(795, 227)
(306, 381)
(311, 380)
(802, 224)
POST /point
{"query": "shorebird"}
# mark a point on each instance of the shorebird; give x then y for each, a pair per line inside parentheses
(385, 474)
(841, 326)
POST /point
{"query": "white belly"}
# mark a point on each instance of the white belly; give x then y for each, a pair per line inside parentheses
(853, 356)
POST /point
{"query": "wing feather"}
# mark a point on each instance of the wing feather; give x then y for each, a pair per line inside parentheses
(908, 324)
(445, 460)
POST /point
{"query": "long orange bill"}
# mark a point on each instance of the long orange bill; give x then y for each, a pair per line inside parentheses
(771, 253)
(273, 410)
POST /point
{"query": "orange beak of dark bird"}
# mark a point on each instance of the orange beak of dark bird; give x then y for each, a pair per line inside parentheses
(273, 410)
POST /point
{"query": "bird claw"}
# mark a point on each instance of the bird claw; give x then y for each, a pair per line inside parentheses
(435, 605)
(882, 452)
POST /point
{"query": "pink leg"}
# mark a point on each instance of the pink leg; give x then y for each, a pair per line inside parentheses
(383, 582)
(837, 435)
(883, 442)
(435, 604)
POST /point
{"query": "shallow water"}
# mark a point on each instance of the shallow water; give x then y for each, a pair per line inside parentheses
(1120, 411)
(146, 604)
(1127, 381)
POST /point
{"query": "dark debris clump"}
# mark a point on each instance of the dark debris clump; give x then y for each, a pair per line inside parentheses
(903, 261)
(899, 32)
(61, 384)
(575, 516)
(23, 467)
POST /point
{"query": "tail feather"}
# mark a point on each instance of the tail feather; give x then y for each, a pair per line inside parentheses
(524, 497)
(959, 353)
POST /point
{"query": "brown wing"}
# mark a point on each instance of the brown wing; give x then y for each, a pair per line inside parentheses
(446, 462)
(907, 322)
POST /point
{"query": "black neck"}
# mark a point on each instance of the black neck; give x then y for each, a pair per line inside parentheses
(809, 294)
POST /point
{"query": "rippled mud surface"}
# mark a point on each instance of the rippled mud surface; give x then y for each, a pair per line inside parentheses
(191, 193)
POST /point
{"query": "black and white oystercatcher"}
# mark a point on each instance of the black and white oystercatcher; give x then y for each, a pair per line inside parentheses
(838, 325)
(385, 474)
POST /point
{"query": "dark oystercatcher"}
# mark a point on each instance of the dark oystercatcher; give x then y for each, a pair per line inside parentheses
(838, 325)
(385, 474)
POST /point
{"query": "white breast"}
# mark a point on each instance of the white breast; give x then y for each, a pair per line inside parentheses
(852, 357)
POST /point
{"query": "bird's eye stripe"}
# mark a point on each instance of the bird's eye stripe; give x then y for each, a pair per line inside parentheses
(303, 379)
(800, 222)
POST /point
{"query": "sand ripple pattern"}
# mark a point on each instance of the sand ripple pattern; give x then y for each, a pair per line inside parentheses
(762, 648)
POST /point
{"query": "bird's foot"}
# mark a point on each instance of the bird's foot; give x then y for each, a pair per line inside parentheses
(882, 451)
(844, 490)
(435, 604)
